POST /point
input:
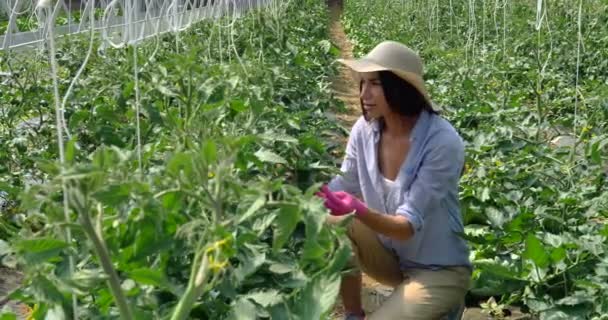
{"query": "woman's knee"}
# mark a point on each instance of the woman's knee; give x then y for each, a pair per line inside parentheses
(428, 295)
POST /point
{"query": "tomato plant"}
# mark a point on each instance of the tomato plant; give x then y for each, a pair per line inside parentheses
(221, 221)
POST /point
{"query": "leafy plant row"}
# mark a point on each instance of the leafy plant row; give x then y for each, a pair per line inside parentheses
(216, 217)
(525, 84)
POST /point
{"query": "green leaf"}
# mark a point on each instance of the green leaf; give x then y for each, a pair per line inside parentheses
(234, 82)
(243, 310)
(4, 248)
(70, 151)
(318, 297)
(485, 194)
(536, 252)
(497, 269)
(148, 276)
(340, 259)
(604, 231)
(558, 254)
(554, 314)
(56, 313)
(329, 287)
(280, 268)
(113, 195)
(497, 218)
(314, 224)
(286, 221)
(265, 298)
(313, 250)
(325, 45)
(255, 206)
(86, 279)
(262, 223)
(210, 151)
(128, 89)
(271, 136)
(250, 262)
(269, 156)
(575, 299)
(166, 91)
(148, 239)
(45, 290)
(180, 162)
(153, 114)
(280, 311)
(40, 250)
(238, 105)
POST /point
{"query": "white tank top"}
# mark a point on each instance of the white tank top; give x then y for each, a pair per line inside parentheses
(389, 187)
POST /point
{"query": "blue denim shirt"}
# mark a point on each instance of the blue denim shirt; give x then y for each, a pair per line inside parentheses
(428, 195)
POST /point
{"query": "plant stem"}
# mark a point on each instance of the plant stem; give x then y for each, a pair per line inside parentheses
(198, 278)
(106, 263)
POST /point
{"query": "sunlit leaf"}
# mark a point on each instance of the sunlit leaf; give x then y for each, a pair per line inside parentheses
(536, 252)
(269, 156)
(285, 223)
(40, 250)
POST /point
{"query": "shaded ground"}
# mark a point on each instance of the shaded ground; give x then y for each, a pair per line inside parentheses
(9, 281)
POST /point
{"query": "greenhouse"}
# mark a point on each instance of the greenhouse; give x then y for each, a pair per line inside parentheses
(303, 159)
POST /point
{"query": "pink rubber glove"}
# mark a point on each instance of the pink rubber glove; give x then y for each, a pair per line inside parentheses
(341, 203)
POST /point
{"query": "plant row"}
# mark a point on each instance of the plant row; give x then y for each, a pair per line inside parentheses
(525, 85)
(189, 189)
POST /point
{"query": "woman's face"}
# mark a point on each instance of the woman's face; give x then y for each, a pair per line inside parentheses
(372, 96)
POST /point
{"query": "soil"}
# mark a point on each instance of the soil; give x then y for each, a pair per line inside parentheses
(9, 281)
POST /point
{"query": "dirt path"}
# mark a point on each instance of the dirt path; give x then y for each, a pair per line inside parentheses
(345, 85)
(345, 88)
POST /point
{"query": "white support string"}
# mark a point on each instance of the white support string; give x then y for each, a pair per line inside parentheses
(137, 111)
(60, 120)
(106, 24)
(578, 66)
(504, 28)
(539, 14)
(81, 69)
(12, 25)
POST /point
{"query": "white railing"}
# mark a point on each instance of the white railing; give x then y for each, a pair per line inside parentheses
(119, 21)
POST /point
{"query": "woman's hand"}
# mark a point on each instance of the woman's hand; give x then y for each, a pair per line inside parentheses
(341, 203)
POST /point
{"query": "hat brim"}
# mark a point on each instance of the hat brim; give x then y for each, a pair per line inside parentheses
(364, 65)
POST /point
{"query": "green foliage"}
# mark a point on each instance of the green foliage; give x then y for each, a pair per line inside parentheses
(232, 148)
(535, 213)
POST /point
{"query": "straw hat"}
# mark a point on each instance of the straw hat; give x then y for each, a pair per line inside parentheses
(397, 58)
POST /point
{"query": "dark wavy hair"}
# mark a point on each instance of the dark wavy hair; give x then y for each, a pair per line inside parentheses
(402, 97)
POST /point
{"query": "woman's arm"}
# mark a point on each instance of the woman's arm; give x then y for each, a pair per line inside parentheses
(349, 179)
(393, 226)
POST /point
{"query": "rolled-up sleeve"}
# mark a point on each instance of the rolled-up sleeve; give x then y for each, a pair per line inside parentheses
(349, 179)
(438, 173)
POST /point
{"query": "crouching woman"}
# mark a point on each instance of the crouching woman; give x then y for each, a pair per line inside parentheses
(400, 178)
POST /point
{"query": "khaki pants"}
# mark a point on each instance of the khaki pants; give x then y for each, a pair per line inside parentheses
(419, 293)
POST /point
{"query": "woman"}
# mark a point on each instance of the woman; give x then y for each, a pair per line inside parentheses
(404, 162)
